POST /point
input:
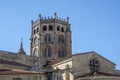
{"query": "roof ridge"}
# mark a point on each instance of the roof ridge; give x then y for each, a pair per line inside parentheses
(94, 53)
(7, 51)
(12, 63)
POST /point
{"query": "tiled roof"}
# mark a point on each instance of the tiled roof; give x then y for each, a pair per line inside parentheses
(12, 63)
(16, 72)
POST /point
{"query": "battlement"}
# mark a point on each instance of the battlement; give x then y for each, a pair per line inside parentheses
(50, 19)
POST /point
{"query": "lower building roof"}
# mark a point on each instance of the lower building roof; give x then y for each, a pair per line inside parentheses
(12, 63)
(97, 74)
(16, 72)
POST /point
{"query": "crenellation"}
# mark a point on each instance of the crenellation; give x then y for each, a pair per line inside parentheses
(55, 15)
(50, 19)
(53, 34)
(32, 22)
(35, 23)
(61, 22)
(67, 19)
(40, 16)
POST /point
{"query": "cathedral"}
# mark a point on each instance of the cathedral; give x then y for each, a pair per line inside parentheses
(51, 56)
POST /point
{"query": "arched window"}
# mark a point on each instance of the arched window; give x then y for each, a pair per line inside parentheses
(61, 39)
(34, 31)
(35, 41)
(36, 52)
(37, 29)
(58, 28)
(47, 52)
(61, 53)
(44, 28)
(50, 27)
(62, 29)
(47, 38)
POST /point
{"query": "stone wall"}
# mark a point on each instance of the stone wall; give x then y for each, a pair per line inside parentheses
(3, 66)
(63, 70)
(81, 64)
(21, 58)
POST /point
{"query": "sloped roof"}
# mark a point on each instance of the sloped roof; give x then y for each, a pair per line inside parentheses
(91, 52)
(97, 74)
(78, 54)
(1, 51)
(61, 59)
(12, 63)
(16, 72)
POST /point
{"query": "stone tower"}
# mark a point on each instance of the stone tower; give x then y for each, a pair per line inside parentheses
(50, 38)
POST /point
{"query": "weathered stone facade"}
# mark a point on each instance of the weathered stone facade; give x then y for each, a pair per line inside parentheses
(25, 59)
(79, 67)
(51, 57)
(82, 61)
(50, 38)
(63, 69)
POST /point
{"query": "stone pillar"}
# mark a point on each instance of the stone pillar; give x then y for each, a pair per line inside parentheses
(67, 75)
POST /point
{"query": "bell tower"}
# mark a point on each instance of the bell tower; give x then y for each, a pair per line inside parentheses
(50, 38)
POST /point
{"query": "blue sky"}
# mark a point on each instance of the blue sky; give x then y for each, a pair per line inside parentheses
(95, 24)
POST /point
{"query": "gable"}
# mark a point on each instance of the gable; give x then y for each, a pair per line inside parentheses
(81, 63)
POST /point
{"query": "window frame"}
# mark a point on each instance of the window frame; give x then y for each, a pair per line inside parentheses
(61, 39)
(50, 28)
(47, 38)
(58, 28)
(62, 29)
(47, 52)
(44, 28)
(61, 53)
